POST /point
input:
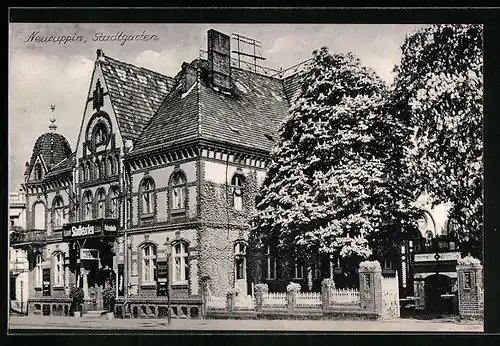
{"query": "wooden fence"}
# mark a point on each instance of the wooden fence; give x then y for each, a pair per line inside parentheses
(344, 296)
(309, 299)
(274, 300)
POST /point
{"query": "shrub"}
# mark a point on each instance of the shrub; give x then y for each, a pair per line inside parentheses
(76, 294)
(469, 261)
(293, 287)
(109, 297)
(369, 265)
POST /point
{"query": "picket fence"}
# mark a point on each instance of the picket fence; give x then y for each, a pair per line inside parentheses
(276, 299)
(216, 303)
(242, 301)
(344, 296)
(308, 299)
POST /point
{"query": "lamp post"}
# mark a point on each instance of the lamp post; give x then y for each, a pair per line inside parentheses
(168, 251)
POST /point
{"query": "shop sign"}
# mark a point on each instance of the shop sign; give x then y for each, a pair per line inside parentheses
(46, 282)
(431, 257)
(90, 229)
(89, 255)
(162, 275)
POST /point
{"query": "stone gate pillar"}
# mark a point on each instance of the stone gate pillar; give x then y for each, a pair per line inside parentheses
(470, 288)
(370, 286)
(260, 291)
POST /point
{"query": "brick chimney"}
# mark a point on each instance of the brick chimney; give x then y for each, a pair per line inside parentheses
(190, 75)
(219, 59)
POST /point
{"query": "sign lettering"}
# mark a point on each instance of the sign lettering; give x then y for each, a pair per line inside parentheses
(46, 282)
(90, 229)
(89, 254)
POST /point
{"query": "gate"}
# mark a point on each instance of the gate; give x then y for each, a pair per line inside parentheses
(390, 297)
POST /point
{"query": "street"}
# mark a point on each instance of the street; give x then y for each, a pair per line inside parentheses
(397, 325)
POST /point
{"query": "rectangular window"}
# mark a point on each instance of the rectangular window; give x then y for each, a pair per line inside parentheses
(181, 265)
(271, 268)
(240, 268)
(298, 270)
(148, 263)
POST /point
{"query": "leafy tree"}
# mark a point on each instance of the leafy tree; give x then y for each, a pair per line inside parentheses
(438, 93)
(333, 184)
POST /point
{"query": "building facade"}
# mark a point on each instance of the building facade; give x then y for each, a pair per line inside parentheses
(161, 186)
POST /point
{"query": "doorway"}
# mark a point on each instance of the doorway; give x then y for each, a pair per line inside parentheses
(437, 290)
(12, 288)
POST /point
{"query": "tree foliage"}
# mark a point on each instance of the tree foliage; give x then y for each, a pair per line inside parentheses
(334, 179)
(438, 93)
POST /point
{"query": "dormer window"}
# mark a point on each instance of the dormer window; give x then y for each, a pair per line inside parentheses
(38, 171)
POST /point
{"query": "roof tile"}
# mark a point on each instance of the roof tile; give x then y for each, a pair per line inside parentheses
(136, 94)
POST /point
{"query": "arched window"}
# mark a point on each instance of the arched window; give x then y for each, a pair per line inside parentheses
(116, 162)
(271, 262)
(58, 207)
(38, 271)
(113, 198)
(58, 269)
(178, 191)
(88, 170)
(148, 263)
(38, 171)
(87, 206)
(147, 196)
(99, 168)
(100, 134)
(85, 175)
(101, 204)
(240, 260)
(237, 183)
(181, 265)
(39, 216)
(111, 165)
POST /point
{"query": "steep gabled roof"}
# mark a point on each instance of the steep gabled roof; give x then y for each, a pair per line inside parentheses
(249, 116)
(136, 94)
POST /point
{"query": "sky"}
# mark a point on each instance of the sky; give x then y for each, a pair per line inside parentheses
(41, 74)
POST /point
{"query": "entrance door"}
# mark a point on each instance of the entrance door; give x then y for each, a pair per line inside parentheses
(12, 288)
(435, 287)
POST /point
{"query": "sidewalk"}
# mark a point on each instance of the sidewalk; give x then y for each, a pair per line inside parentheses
(397, 325)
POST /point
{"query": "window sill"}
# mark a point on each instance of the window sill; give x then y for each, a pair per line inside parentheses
(38, 288)
(148, 284)
(58, 288)
(149, 216)
(178, 211)
(180, 284)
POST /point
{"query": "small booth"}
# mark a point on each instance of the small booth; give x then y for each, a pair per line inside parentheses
(91, 252)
